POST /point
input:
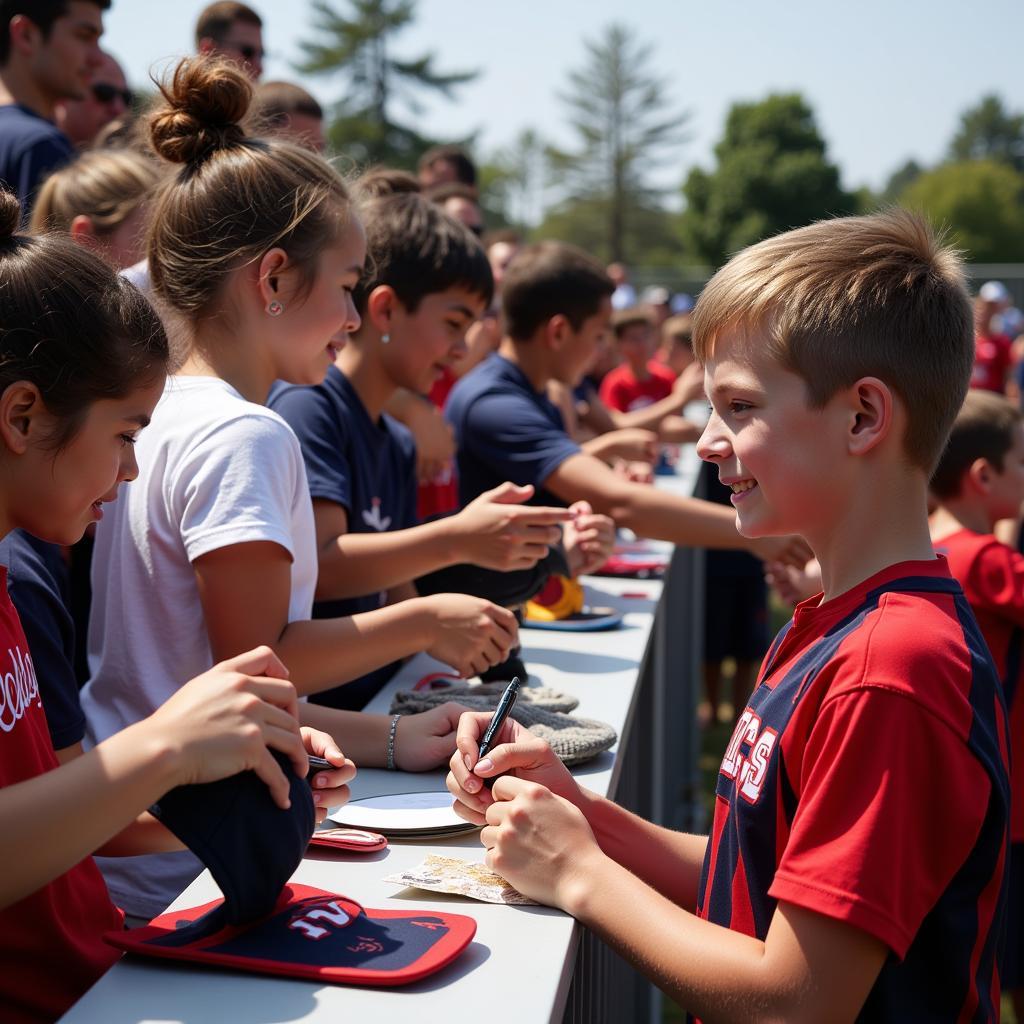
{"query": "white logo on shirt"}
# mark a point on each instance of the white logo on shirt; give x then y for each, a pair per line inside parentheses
(19, 690)
(749, 770)
(373, 517)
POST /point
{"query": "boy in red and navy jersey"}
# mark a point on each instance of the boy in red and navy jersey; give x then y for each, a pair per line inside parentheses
(855, 869)
(978, 482)
(638, 381)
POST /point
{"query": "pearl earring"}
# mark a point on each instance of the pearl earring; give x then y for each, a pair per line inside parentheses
(385, 338)
(274, 308)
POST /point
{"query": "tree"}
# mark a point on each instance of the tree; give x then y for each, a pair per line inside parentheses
(618, 110)
(772, 174)
(981, 202)
(900, 180)
(355, 45)
(513, 181)
(990, 132)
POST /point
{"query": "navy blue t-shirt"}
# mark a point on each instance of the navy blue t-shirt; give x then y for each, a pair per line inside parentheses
(369, 469)
(37, 581)
(30, 148)
(505, 430)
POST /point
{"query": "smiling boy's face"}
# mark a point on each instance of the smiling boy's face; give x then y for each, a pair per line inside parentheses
(783, 459)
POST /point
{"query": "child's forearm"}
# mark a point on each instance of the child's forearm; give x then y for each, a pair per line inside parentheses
(322, 653)
(670, 862)
(144, 835)
(650, 416)
(362, 737)
(355, 564)
(51, 822)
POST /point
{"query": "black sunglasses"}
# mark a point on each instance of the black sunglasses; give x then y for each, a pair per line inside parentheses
(104, 93)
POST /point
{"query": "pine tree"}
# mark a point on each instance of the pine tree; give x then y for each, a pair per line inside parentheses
(354, 44)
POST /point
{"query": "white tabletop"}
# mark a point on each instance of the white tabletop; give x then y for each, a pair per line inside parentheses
(524, 953)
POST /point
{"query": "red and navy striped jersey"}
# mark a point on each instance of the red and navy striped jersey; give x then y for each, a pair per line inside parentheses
(992, 576)
(866, 780)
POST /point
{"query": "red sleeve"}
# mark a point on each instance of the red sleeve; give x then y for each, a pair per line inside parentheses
(996, 582)
(613, 392)
(891, 803)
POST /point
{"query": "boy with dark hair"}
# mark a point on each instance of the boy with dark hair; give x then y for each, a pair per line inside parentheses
(49, 50)
(428, 280)
(442, 164)
(638, 381)
(556, 302)
(855, 868)
(235, 31)
(978, 482)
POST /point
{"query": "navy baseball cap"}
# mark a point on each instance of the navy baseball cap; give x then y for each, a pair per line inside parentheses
(251, 846)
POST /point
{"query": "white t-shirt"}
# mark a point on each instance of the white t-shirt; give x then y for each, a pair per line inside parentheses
(214, 470)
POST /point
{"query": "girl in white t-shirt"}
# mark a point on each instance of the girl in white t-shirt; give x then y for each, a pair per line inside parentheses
(255, 246)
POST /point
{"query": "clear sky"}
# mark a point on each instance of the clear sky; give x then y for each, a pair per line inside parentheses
(887, 79)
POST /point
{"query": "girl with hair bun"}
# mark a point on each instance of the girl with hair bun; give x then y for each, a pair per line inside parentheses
(255, 246)
(82, 364)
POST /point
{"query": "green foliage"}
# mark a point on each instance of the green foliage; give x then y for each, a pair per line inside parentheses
(513, 181)
(354, 45)
(618, 112)
(989, 131)
(900, 180)
(981, 202)
(772, 174)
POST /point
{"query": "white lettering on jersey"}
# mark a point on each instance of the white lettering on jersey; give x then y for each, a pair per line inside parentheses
(749, 770)
(332, 914)
(19, 689)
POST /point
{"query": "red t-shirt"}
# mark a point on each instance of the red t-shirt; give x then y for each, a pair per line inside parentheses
(993, 356)
(440, 496)
(992, 575)
(51, 948)
(621, 390)
(867, 781)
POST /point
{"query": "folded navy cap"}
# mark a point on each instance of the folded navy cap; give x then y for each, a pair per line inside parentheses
(251, 846)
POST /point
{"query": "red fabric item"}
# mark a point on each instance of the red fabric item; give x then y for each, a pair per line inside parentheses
(51, 945)
(992, 575)
(440, 496)
(866, 781)
(993, 356)
(621, 390)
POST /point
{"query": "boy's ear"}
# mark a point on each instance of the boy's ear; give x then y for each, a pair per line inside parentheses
(557, 331)
(978, 476)
(381, 305)
(872, 408)
(21, 414)
(272, 267)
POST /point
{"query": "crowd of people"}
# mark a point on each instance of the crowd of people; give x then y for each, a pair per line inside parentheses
(265, 433)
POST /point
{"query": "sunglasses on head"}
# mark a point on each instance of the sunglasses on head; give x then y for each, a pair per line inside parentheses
(106, 93)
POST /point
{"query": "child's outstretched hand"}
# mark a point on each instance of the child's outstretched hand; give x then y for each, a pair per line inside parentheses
(589, 539)
(330, 786)
(228, 719)
(425, 740)
(497, 531)
(515, 752)
(794, 551)
(468, 633)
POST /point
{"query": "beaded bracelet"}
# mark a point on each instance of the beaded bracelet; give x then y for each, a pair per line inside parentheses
(391, 742)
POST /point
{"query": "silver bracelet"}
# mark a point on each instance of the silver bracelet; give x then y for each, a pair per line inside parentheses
(391, 742)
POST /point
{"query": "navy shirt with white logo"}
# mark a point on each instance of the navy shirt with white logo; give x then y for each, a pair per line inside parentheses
(367, 467)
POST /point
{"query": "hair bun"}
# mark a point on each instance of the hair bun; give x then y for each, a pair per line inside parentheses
(207, 100)
(10, 214)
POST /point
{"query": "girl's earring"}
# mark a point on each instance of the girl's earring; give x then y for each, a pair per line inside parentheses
(274, 308)
(385, 338)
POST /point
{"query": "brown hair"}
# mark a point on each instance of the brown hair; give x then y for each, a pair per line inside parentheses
(215, 21)
(440, 194)
(70, 325)
(551, 279)
(106, 186)
(377, 182)
(235, 197)
(856, 296)
(624, 318)
(465, 169)
(983, 429)
(678, 328)
(275, 102)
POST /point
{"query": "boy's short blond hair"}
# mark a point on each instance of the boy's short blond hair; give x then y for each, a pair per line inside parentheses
(854, 297)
